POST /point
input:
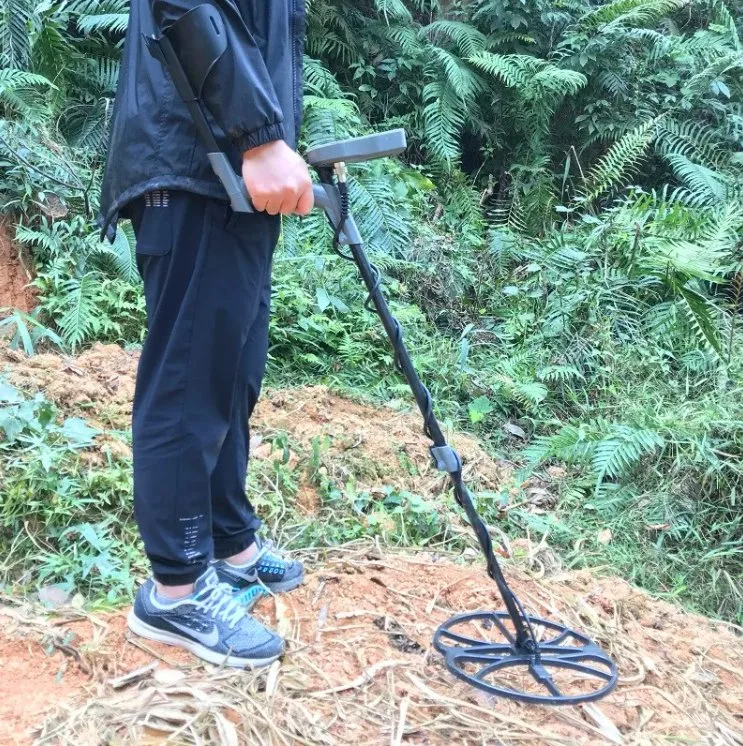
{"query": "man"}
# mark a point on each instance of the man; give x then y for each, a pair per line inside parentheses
(207, 279)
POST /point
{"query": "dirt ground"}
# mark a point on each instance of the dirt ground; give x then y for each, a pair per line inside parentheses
(360, 668)
(377, 446)
(14, 274)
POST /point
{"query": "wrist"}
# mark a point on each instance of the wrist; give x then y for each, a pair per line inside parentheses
(260, 150)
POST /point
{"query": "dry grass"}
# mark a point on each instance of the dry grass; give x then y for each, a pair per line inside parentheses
(361, 669)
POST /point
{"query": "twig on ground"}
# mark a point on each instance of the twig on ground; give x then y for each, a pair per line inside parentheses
(362, 680)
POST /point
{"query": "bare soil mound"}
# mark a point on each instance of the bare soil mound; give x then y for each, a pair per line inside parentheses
(377, 446)
(361, 669)
(15, 274)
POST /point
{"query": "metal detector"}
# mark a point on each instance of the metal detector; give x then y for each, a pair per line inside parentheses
(507, 653)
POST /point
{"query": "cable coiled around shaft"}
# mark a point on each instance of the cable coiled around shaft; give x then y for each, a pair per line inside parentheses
(525, 633)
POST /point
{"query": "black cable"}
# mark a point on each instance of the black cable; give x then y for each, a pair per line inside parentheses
(345, 199)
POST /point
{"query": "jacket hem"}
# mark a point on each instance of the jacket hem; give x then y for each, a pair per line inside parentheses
(108, 219)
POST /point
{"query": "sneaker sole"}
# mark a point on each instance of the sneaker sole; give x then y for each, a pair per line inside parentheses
(142, 629)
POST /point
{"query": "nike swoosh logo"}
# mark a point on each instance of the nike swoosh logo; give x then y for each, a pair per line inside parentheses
(210, 640)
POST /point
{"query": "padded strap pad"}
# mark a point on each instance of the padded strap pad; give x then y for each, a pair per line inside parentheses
(199, 39)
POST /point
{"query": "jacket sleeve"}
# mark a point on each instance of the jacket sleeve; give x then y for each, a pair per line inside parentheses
(238, 91)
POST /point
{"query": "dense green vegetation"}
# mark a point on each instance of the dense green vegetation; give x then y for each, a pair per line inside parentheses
(563, 244)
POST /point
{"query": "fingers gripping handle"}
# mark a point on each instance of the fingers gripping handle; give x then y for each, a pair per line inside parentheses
(326, 196)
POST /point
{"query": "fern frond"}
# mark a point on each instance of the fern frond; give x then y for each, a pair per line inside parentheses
(460, 78)
(115, 23)
(51, 51)
(559, 373)
(723, 17)
(444, 120)
(16, 18)
(699, 83)
(467, 39)
(623, 158)
(701, 313)
(691, 139)
(319, 81)
(393, 9)
(77, 321)
(621, 449)
(123, 253)
(628, 13)
(708, 184)
(11, 79)
(21, 92)
(559, 81)
(613, 82)
(513, 70)
(407, 38)
(328, 119)
(84, 124)
(661, 320)
(570, 444)
(532, 77)
(380, 220)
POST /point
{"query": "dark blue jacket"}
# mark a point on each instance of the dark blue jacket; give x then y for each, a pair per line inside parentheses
(153, 142)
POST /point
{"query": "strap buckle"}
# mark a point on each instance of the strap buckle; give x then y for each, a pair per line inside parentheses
(446, 459)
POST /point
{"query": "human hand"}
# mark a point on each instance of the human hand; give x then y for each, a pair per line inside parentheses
(277, 179)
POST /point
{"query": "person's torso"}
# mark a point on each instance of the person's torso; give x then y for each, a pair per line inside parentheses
(153, 143)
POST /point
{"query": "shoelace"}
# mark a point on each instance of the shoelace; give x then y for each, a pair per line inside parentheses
(266, 547)
(218, 602)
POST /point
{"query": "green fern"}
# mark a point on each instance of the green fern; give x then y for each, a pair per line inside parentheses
(467, 39)
(123, 252)
(620, 450)
(115, 23)
(708, 184)
(11, 80)
(408, 40)
(514, 71)
(609, 451)
(531, 76)
(16, 21)
(628, 12)
(393, 9)
(375, 203)
(460, 78)
(622, 159)
(78, 313)
(559, 373)
(445, 118)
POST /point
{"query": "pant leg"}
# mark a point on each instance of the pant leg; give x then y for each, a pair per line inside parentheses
(234, 521)
(204, 273)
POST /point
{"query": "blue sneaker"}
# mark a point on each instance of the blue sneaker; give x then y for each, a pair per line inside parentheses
(267, 574)
(210, 623)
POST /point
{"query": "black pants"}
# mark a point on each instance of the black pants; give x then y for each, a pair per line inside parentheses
(207, 279)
